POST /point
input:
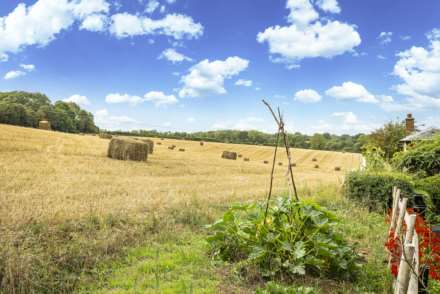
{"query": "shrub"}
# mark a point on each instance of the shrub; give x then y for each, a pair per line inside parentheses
(422, 160)
(431, 186)
(374, 157)
(298, 238)
(375, 189)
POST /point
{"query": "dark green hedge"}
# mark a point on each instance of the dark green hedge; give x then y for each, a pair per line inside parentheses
(375, 189)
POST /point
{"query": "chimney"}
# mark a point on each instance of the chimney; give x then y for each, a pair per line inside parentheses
(409, 124)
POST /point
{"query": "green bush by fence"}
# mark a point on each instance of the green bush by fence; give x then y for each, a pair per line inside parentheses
(375, 189)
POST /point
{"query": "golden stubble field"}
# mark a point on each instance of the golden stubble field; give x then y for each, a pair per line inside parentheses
(52, 177)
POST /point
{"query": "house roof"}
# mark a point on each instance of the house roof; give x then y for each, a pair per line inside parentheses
(427, 134)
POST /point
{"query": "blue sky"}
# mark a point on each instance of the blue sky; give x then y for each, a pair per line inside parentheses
(332, 66)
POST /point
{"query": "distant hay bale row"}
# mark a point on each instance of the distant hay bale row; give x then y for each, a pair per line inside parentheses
(172, 147)
(246, 159)
(127, 149)
(240, 155)
(181, 150)
(316, 166)
(266, 162)
(159, 143)
(337, 168)
(202, 143)
(314, 159)
(293, 164)
(44, 125)
(229, 155)
(280, 163)
(105, 136)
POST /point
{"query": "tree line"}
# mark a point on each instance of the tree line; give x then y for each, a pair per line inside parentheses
(324, 141)
(27, 109)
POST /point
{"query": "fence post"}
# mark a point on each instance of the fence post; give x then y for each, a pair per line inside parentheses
(395, 209)
(401, 218)
(403, 276)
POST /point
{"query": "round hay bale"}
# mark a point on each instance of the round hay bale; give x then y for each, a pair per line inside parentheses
(229, 155)
(150, 145)
(202, 143)
(316, 166)
(172, 147)
(105, 136)
(44, 125)
(247, 159)
(127, 149)
(293, 164)
(337, 168)
(159, 143)
(240, 155)
(280, 163)
(181, 150)
(266, 162)
(314, 159)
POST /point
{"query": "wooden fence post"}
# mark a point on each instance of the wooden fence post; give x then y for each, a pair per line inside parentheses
(402, 211)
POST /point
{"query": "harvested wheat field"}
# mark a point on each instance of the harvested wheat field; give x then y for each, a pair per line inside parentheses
(55, 176)
(66, 208)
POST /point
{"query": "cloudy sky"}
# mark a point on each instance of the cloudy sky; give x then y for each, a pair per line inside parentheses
(332, 66)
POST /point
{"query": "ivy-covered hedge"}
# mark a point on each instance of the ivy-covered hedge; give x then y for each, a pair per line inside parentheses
(423, 160)
(431, 186)
(375, 189)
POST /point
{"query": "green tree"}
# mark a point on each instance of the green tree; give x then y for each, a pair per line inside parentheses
(387, 138)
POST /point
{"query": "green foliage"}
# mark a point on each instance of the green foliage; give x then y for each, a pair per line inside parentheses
(375, 189)
(27, 109)
(422, 160)
(374, 157)
(387, 138)
(324, 141)
(274, 288)
(431, 187)
(298, 238)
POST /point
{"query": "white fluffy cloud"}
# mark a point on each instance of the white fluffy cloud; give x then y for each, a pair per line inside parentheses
(329, 6)
(385, 37)
(177, 26)
(13, 74)
(78, 99)
(307, 96)
(348, 117)
(116, 98)
(159, 98)
(419, 69)
(244, 83)
(172, 55)
(27, 67)
(307, 36)
(95, 23)
(104, 120)
(38, 24)
(156, 97)
(351, 91)
(152, 5)
(208, 77)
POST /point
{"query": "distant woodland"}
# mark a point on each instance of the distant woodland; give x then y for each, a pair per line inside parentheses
(27, 109)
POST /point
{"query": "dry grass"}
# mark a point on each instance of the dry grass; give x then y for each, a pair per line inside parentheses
(53, 176)
(65, 206)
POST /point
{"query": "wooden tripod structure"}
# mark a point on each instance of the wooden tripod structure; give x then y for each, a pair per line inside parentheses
(281, 133)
